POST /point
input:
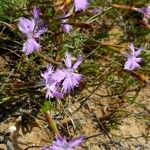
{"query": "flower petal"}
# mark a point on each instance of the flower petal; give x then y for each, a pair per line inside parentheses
(79, 61)
(132, 64)
(26, 26)
(59, 75)
(80, 5)
(36, 12)
(30, 46)
(68, 60)
(41, 27)
(66, 27)
(72, 80)
(139, 51)
(131, 46)
(67, 84)
(75, 142)
(58, 94)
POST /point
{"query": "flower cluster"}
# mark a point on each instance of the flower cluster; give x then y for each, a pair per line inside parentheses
(133, 60)
(62, 81)
(62, 144)
(32, 29)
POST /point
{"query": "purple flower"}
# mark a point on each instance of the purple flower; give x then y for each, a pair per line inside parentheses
(80, 5)
(67, 75)
(145, 11)
(66, 27)
(133, 60)
(51, 85)
(62, 144)
(96, 10)
(65, 79)
(32, 29)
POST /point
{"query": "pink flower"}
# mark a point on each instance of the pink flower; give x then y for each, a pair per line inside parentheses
(65, 79)
(32, 29)
(133, 61)
(51, 86)
(67, 75)
(62, 144)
